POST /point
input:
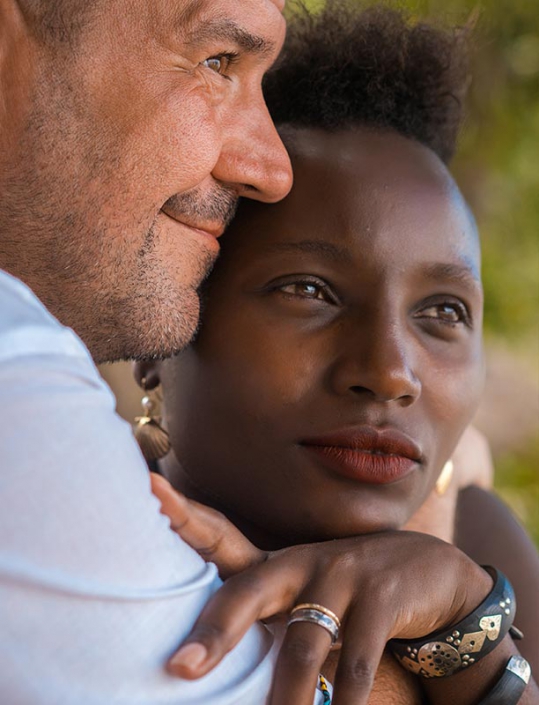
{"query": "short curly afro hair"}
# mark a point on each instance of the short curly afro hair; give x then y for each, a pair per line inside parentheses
(351, 65)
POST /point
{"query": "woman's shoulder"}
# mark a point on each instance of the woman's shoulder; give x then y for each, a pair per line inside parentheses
(488, 532)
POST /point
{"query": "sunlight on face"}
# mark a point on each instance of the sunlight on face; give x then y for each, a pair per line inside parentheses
(355, 311)
(136, 152)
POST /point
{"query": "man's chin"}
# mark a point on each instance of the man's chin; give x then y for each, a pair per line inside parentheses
(154, 330)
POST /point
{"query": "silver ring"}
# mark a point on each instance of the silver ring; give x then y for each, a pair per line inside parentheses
(314, 616)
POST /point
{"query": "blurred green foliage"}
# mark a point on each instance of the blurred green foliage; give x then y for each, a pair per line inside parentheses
(497, 168)
(517, 481)
(498, 163)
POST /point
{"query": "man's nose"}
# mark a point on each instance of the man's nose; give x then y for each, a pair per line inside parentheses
(378, 363)
(253, 159)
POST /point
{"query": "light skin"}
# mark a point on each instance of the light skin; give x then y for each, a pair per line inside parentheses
(359, 302)
(124, 151)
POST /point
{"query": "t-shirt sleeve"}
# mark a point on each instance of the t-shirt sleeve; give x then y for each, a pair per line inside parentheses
(96, 592)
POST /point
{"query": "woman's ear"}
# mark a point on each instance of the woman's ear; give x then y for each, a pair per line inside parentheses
(146, 374)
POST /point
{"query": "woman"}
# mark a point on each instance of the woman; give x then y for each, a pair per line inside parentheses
(340, 359)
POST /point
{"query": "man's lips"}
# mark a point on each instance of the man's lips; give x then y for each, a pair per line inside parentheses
(214, 230)
(366, 454)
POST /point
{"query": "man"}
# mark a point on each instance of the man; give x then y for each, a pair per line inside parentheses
(128, 133)
(128, 130)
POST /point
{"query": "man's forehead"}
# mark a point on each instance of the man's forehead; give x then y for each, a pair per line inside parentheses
(191, 10)
(256, 27)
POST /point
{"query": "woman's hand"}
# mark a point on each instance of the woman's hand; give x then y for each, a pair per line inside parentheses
(391, 584)
(206, 530)
(472, 459)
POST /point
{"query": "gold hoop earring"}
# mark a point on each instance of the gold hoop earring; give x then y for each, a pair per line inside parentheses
(153, 440)
(444, 480)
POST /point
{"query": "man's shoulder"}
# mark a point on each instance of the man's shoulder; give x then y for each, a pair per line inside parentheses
(27, 328)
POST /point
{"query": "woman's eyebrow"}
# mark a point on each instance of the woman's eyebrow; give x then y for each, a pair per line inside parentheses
(318, 247)
(466, 273)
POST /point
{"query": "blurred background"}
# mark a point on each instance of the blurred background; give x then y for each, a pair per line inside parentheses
(497, 167)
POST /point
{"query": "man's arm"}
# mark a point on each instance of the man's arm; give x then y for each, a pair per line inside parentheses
(392, 684)
(96, 592)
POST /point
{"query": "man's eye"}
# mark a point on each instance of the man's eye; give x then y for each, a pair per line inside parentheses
(450, 313)
(220, 63)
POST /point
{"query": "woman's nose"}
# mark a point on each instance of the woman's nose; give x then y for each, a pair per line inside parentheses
(378, 363)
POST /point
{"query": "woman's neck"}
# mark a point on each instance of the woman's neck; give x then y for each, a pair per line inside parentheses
(173, 471)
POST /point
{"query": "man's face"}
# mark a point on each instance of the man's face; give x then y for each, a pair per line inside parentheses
(140, 136)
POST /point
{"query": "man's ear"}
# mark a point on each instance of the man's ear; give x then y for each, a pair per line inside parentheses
(147, 371)
(12, 20)
(17, 64)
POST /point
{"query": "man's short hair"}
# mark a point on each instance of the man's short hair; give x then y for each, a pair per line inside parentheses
(348, 65)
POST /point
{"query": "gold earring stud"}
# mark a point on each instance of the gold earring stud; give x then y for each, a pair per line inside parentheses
(444, 480)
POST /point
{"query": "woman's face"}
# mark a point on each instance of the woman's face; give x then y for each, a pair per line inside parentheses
(339, 357)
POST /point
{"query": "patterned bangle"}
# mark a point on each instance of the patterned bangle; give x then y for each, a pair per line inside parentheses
(509, 689)
(449, 651)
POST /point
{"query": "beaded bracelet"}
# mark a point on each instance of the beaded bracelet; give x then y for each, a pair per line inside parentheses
(449, 651)
(323, 687)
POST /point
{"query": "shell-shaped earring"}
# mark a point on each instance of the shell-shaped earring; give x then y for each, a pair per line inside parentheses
(152, 438)
(444, 480)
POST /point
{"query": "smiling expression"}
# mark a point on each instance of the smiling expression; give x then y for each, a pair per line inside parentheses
(128, 158)
(340, 355)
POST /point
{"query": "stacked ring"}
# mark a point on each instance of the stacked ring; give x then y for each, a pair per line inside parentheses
(317, 614)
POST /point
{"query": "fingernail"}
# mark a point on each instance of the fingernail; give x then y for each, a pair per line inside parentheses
(191, 656)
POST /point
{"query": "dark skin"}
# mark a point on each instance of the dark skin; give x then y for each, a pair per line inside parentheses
(325, 321)
(359, 302)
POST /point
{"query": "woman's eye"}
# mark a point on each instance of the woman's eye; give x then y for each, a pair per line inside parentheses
(451, 313)
(306, 290)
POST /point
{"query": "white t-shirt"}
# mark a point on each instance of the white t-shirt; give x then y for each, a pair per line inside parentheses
(96, 592)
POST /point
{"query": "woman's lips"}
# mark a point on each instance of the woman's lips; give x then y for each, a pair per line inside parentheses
(367, 454)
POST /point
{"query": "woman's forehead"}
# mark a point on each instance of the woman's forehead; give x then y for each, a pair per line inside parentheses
(358, 158)
(358, 185)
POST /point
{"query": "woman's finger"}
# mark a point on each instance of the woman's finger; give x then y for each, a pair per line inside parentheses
(206, 530)
(368, 628)
(305, 647)
(302, 655)
(473, 460)
(248, 597)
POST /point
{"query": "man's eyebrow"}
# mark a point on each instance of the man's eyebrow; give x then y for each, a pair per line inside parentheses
(317, 247)
(466, 272)
(229, 31)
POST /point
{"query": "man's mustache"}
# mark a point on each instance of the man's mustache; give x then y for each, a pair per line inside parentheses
(216, 206)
